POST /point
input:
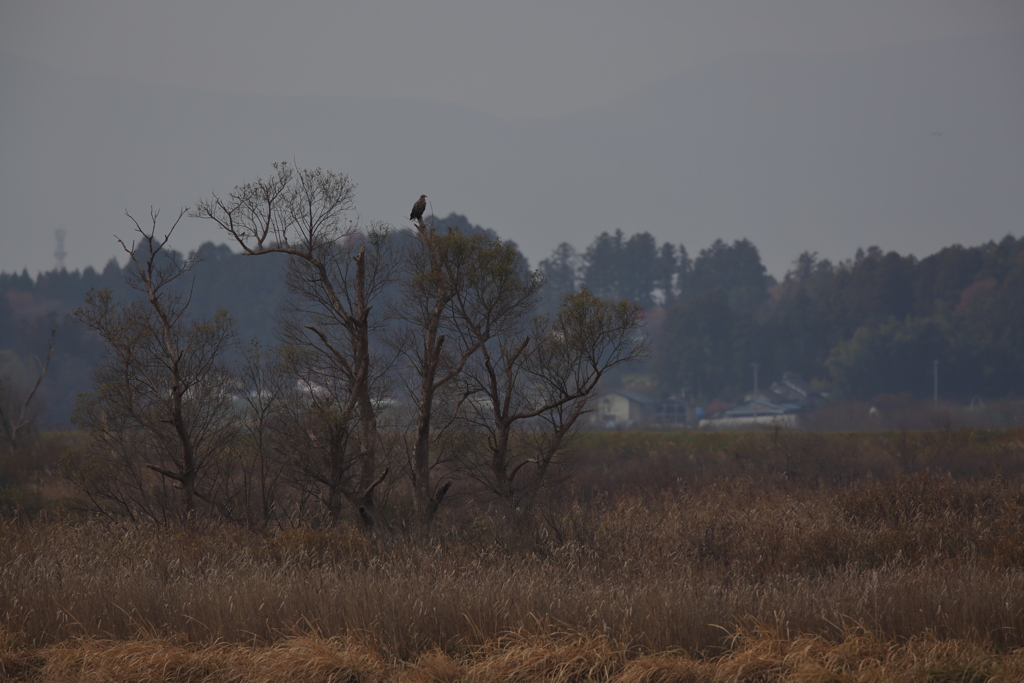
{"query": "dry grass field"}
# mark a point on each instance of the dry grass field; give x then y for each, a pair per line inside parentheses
(675, 557)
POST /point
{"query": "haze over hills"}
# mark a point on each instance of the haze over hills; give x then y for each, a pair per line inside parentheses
(909, 148)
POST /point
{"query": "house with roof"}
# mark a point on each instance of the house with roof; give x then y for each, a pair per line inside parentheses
(780, 406)
(755, 411)
(793, 389)
(623, 408)
(620, 408)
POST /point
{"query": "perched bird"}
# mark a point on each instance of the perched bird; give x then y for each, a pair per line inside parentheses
(418, 208)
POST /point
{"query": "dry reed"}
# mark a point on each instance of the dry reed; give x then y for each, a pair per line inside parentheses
(762, 655)
(917, 577)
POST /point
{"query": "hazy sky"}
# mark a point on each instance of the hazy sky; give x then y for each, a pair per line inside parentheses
(525, 62)
(517, 60)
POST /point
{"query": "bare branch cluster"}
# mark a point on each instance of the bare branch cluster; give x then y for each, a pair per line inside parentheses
(163, 396)
(17, 407)
(410, 363)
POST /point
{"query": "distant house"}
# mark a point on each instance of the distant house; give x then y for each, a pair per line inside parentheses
(676, 412)
(792, 389)
(624, 408)
(755, 412)
(780, 406)
(621, 408)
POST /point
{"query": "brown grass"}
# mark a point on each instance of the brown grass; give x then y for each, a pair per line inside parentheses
(756, 575)
(762, 655)
(616, 461)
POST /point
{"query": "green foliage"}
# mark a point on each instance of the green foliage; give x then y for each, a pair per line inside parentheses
(561, 275)
(697, 349)
(869, 325)
(891, 358)
(631, 269)
(735, 269)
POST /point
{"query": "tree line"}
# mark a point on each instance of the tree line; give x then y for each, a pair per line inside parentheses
(875, 324)
(30, 307)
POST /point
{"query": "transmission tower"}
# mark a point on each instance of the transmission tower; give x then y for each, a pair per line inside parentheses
(59, 253)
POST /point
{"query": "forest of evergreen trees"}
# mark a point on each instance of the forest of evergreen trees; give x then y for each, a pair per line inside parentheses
(867, 326)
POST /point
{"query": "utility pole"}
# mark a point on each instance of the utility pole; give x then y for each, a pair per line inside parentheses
(755, 391)
(935, 383)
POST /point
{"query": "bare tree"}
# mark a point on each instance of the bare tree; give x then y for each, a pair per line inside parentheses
(17, 411)
(315, 436)
(336, 274)
(441, 267)
(264, 389)
(531, 382)
(162, 400)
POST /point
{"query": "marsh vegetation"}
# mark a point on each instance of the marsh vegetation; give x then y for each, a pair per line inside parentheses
(759, 556)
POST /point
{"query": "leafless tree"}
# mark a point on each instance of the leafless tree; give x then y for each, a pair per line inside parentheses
(314, 434)
(531, 382)
(17, 410)
(162, 400)
(336, 274)
(443, 302)
(264, 389)
(439, 268)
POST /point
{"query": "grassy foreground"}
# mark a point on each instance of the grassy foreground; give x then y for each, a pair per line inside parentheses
(718, 566)
(760, 656)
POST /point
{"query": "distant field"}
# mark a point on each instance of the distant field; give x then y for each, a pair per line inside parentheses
(645, 460)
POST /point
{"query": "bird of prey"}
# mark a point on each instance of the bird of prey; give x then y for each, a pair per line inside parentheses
(418, 208)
